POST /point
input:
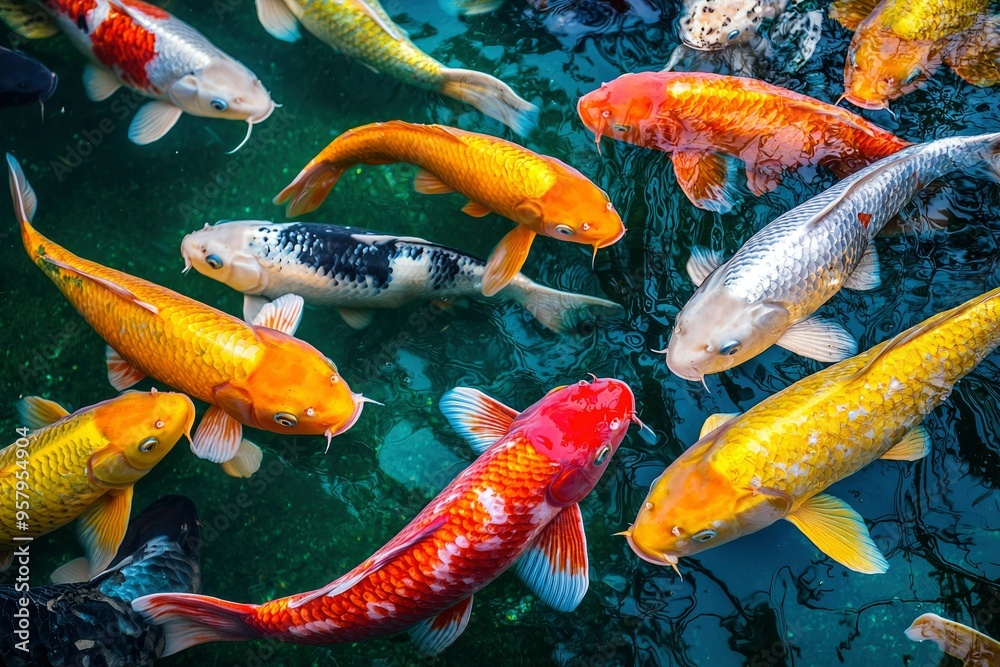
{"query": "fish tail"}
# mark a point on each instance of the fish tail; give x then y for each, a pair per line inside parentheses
(310, 187)
(991, 158)
(25, 205)
(189, 620)
(491, 96)
(558, 311)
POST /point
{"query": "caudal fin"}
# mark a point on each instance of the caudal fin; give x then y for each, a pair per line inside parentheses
(491, 96)
(25, 202)
(309, 188)
(189, 620)
(559, 311)
(991, 158)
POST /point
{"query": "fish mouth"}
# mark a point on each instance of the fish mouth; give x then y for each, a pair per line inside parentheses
(662, 559)
(703, 46)
(871, 105)
(359, 404)
(44, 97)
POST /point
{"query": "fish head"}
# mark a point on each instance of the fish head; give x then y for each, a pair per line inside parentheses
(881, 67)
(929, 627)
(294, 389)
(717, 330)
(223, 252)
(578, 427)
(140, 428)
(23, 79)
(630, 109)
(225, 89)
(711, 25)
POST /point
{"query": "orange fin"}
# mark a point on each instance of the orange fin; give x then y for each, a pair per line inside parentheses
(283, 314)
(507, 259)
(370, 566)
(850, 13)
(427, 183)
(218, 437)
(475, 209)
(707, 179)
(480, 419)
(435, 634)
(555, 567)
(36, 412)
(103, 282)
(121, 373)
(101, 528)
(309, 188)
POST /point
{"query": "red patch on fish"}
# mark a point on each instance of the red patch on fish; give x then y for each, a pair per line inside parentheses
(864, 218)
(74, 9)
(124, 47)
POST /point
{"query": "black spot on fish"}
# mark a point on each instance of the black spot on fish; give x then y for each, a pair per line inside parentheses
(81, 23)
(335, 252)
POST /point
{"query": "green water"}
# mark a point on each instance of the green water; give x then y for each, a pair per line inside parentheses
(307, 517)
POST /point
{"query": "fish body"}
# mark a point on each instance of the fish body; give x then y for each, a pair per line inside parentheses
(775, 460)
(83, 466)
(361, 29)
(253, 374)
(148, 50)
(973, 648)
(710, 25)
(358, 271)
(540, 193)
(516, 503)
(707, 121)
(24, 80)
(93, 621)
(765, 293)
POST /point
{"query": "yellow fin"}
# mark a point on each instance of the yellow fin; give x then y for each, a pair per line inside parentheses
(113, 287)
(839, 532)
(427, 183)
(850, 13)
(376, 17)
(715, 421)
(475, 209)
(246, 462)
(102, 527)
(36, 412)
(27, 20)
(507, 259)
(915, 445)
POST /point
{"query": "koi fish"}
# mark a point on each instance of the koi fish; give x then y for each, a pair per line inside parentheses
(899, 44)
(254, 374)
(140, 46)
(93, 621)
(767, 292)
(357, 271)
(361, 29)
(708, 121)
(540, 193)
(24, 80)
(83, 466)
(517, 504)
(470, 7)
(775, 460)
(973, 648)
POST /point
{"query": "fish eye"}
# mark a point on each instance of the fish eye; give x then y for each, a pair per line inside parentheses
(912, 76)
(620, 127)
(219, 105)
(286, 419)
(602, 455)
(730, 348)
(734, 34)
(148, 445)
(565, 230)
(214, 261)
(704, 536)
(852, 56)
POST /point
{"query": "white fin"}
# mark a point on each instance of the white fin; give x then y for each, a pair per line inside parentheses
(469, 7)
(99, 83)
(101, 528)
(558, 311)
(356, 318)
(218, 437)
(435, 634)
(555, 567)
(36, 412)
(278, 20)
(246, 461)
(25, 199)
(478, 418)
(121, 373)
(152, 121)
(819, 339)
(702, 263)
(839, 532)
(915, 445)
(491, 96)
(866, 274)
(252, 305)
(372, 239)
(283, 314)
(715, 421)
(72, 572)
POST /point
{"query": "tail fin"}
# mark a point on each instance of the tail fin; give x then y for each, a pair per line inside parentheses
(491, 96)
(309, 188)
(25, 202)
(991, 158)
(561, 312)
(189, 620)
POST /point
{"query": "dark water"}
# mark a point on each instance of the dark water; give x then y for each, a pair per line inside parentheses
(768, 599)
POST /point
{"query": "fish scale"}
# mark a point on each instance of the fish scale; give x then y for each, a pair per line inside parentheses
(928, 19)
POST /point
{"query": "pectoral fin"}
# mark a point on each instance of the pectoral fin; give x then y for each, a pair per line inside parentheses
(218, 437)
(850, 13)
(74, 571)
(715, 421)
(152, 121)
(555, 566)
(819, 339)
(246, 461)
(101, 528)
(36, 412)
(707, 179)
(475, 209)
(252, 305)
(437, 633)
(121, 373)
(99, 83)
(866, 274)
(356, 318)
(283, 314)
(278, 20)
(478, 418)
(427, 183)
(702, 263)
(915, 445)
(507, 259)
(839, 532)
